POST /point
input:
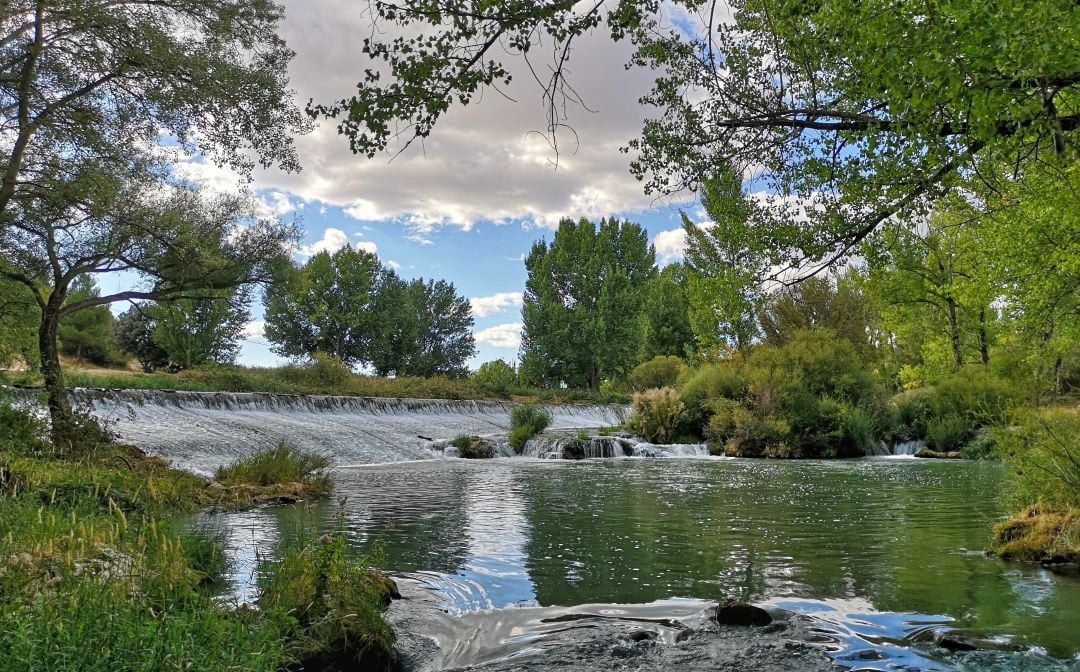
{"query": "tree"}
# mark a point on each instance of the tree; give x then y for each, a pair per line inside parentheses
(83, 80)
(849, 111)
(202, 330)
(819, 303)
(134, 333)
(495, 376)
(582, 305)
(88, 334)
(666, 315)
(425, 329)
(179, 243)
(725, 267)
(18, 313)
(328, 305)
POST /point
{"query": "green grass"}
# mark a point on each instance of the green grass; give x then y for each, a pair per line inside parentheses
(283, 463)
(526, 421)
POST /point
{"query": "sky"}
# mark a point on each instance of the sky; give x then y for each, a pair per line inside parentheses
(467, 204)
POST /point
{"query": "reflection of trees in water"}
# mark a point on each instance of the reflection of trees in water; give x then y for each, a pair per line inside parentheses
(416, 514)
(890, 533)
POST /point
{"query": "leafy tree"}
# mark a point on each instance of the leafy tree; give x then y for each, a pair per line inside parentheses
(201, 330)
(819, 303)
(18, 313)
(495, 376)
(850, 111)
(180, 244)
(725, 266)
(583, 300)
(666, 315)
(88, 334)
(444, 328)
(85, 79)
(134, 333)
(328, 305)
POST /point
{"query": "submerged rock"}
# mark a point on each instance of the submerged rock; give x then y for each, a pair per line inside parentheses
(937, 454)
(741, 614)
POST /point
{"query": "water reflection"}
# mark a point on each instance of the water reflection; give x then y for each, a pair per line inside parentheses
(903, 537)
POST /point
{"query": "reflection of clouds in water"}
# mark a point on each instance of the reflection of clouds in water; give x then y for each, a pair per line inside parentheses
(1034, 587)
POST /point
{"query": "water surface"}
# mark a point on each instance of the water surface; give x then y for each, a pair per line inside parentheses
(881, 550)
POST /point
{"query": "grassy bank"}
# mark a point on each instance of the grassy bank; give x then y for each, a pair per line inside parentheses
(319, 377)
(98, 573)
(1042, 448)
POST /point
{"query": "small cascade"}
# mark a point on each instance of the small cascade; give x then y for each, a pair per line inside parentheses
(908, 448)
(201, 431)
(646, 449)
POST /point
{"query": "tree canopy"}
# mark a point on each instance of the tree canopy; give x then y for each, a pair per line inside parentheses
(849, 112)
(583, 302)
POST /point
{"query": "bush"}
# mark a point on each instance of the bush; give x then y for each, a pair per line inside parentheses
(660, 371)
(858, 431)
(526, 421)
(496, 377)
(329, 604)
(914, 409)
(20, 432)
(706, 384)
(284, 463)
(657, 414)
(1042, 448)
(948, 433)
(727, 416)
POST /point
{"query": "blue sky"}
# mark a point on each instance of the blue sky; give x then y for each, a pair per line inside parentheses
(468, 202)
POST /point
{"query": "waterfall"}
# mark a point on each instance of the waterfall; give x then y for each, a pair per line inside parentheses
(557, 446)
(203, 430)
(907, 448)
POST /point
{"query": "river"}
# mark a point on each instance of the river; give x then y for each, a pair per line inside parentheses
(879, 552)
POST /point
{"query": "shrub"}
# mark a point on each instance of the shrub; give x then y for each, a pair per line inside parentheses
(284, 463)
(526, 421)
(705, 384)
(496, 377)
(982, 447)
(660, 371)
(759, 436)
(859, 431)
(657, 414)
(21, 433)
(1042, 449)
(330, 605)
(948, 433)
(326, 372)
(975, 394)
(461, 441)
(914, 409)
(726, 416)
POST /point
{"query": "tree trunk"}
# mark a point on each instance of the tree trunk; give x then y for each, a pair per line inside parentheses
(60, 413)
(593, 378)
(984, 342)
(954, 333)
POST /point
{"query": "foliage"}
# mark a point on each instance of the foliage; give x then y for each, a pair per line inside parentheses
(725, 267)
(665, 314)
(660, 371)
(205, 330)
(947, 433)
(18, 314)
(22, 433)
(1042, 449)
(582, 303)
(284, 463)
(705, 385)
(134, 334)
(526, 421)
(496, 377)
(818, 303)
(1039, 535)
(352, 308)
(330, 605)
(657, 414)
(88, 334)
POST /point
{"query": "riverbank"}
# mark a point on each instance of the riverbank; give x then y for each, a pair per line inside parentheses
(99, 570)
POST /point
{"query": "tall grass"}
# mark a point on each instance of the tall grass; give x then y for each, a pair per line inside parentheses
(526, 421)
(283, 463)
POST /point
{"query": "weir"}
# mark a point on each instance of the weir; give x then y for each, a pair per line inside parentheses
(203, 430)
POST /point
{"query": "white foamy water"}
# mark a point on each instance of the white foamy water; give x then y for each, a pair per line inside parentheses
(203, 430)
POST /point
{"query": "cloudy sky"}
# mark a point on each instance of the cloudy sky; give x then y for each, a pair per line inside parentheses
(466, 204)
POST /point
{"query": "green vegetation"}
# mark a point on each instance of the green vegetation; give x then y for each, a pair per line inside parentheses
(658, 414)
(97, 573)
(526, 421)
(350, 307)
(282, 464)
(660, 371)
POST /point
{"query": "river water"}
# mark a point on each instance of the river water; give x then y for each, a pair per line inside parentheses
(880, 552)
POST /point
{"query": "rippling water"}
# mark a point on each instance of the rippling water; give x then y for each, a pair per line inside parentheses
(878, 549)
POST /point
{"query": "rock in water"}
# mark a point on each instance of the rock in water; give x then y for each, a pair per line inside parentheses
(741, 614)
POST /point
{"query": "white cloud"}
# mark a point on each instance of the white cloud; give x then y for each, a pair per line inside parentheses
(483, 306)
(367, 246)
(332, 241)
(273, 205)
(254, 329)
(670, 245)
(501, 335)
(393, 264)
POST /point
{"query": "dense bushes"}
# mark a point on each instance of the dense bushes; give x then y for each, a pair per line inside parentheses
(526, 421)
(661, 371)
(657, 414)
(496, 377)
